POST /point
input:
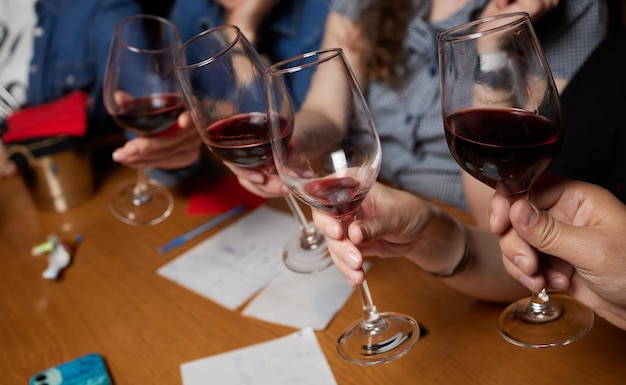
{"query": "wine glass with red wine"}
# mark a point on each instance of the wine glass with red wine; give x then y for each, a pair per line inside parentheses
(221, 76)
(330, 162)
(503, 124)
(142, 95)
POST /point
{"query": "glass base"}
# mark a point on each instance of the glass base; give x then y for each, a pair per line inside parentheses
(573, 320)
(306, 260)
(154, 210)
(392, 337)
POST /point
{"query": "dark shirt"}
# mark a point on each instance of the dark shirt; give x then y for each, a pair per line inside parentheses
(594, 146)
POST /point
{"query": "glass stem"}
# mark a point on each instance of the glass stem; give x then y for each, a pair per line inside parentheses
(541, 308)
(141, 192)
(310, 238)
(371, 316)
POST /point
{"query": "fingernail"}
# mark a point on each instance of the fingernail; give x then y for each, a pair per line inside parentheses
(558, 283)
(117, 155)
(528, 215)
(522, 262)
(256, 178)
(352, 261)
(331, 231)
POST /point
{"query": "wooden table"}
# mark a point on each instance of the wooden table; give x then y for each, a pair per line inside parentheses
(111, 301)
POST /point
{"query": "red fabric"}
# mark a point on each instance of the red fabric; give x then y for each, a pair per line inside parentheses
(66, 116)
(212, 197)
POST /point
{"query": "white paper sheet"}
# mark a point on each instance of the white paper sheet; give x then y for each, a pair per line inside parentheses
(235, 263)
(245, 258)
(296, 359)
(301, 300)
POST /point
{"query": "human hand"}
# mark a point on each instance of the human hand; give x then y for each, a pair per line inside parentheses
(535, 8)
(266, 184)
(175, 148)
(580, 224)
(7, 168)
(392, 223)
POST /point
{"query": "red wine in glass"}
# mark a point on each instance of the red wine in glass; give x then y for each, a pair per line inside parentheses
(505, 148)
(149, 115)
(244, 140)
(339, 197)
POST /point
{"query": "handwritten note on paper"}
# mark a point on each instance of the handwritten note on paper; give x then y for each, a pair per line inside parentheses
(232, 265)
(294, 359)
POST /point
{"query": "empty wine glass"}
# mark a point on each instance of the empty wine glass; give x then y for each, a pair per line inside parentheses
(503, 124)
(141, 94)
(221, 76)
(330, 162)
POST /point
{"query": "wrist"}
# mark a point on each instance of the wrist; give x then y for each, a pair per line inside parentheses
(444, 249)
(462, 262)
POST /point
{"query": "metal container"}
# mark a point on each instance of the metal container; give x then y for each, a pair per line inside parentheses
(57, 171)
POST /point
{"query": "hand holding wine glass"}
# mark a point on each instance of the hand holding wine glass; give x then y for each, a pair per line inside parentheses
(503, 126)
(330, 163)
(221, 76)
(142, 96)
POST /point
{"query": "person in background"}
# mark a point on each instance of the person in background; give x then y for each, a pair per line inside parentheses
(52, 48)
(581, 226)
(279, 29)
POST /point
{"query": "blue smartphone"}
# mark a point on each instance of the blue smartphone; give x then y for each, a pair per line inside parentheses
(89, 369)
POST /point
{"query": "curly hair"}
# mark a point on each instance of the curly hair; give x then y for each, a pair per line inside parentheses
(385, 23)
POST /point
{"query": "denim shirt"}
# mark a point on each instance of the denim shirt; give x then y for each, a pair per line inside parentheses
(293, 27)
(71, 45)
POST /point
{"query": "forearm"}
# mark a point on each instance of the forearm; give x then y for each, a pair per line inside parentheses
(442, 246)
(248, 15)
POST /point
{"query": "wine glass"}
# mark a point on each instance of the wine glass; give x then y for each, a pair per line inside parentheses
(221, 76)
(503, 124)
(330, 162)
(141, 94)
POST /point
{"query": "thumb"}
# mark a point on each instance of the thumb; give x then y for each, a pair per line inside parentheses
(546, 233)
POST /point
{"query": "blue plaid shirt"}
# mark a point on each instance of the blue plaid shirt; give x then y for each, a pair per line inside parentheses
(408, 118)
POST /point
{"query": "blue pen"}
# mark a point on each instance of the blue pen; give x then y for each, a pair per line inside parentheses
(200, 229)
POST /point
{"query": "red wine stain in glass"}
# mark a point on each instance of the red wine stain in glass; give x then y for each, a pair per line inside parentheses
(339, 197)
(244, 139)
